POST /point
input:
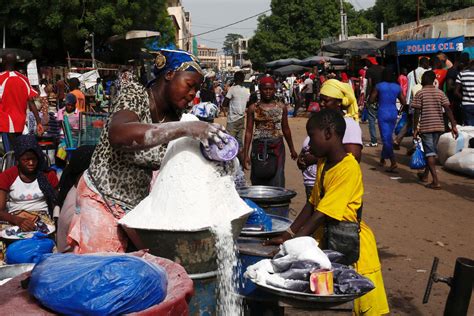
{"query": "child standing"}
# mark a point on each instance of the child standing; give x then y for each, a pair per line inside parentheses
(337, 195)
(429, 103)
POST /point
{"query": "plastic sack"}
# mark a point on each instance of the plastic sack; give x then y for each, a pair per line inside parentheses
(97, 284)
(29, 250)
(462, 162)
(258, 217)
(448, 146)
(401, 123)
(418, 160)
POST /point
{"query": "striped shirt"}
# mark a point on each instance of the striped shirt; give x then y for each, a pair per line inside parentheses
(466, 79)
(430, 101)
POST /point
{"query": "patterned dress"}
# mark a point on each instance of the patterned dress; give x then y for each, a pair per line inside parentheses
(115, 182)
(268, 149)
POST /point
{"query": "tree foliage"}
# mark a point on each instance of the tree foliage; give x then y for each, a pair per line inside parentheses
(52, 28)
(395, 12)
(295, 29)
(229, 42)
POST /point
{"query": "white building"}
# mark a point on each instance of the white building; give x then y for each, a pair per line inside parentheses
(208, 56)
(224, 63)
(182, 25)
(240, 49)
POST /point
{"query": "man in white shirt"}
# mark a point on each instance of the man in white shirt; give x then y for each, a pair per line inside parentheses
(236, 100)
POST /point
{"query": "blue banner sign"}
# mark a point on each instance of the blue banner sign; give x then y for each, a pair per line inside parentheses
(430, 46)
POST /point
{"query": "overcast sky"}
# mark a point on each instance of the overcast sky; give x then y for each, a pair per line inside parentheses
(210, 14)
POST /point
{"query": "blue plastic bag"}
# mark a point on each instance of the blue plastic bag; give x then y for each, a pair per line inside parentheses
(29, 250)
(97, 284)
(418, 160)
(258, 216)
(401, 123)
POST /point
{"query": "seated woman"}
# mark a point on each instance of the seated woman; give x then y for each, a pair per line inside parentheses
(27, 190)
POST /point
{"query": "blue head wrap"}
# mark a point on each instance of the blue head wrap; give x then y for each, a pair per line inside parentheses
(174, 60)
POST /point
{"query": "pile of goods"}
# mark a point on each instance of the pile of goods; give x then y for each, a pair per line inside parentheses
(99, 284)
(458, 154)
(29, 250)
(190, 192)
(301, 266)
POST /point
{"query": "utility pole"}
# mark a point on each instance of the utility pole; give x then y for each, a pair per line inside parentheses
(344, 29)
(342, 21)
(417, 13)
(93, 51)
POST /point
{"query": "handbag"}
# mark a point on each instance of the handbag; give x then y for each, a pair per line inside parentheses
(343, 236)
(264, 160)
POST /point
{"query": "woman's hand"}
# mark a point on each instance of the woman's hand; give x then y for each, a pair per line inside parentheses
(25, 225)
(247, 163)
(294, 154)
(206, 132)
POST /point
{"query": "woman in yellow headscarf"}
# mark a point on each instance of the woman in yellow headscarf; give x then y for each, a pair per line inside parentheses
(335, 94)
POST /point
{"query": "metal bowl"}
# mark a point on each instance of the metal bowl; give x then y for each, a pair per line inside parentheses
(13, 270)
(194, 250)
(263, 193)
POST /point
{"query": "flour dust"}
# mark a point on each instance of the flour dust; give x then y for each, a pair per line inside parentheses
(228, 302)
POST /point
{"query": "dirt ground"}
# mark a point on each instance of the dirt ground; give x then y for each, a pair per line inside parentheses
(412, 224)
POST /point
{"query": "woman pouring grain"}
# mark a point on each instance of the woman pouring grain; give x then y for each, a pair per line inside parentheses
(132, 145)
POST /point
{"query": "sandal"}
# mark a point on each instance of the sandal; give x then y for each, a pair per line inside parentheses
(421, 177)
(392, 169)
(432, 186)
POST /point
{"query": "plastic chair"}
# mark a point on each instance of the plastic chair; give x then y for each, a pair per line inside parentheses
(8, 160)
(91, 126)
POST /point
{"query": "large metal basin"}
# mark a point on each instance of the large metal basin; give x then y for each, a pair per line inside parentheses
(194, 250)
(12, 270)
(266, 194)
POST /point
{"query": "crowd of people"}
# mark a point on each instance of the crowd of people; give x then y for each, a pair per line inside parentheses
(101, 183)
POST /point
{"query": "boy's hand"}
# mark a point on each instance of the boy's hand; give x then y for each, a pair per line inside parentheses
(415, 133)
(25, 225)
(455, 132)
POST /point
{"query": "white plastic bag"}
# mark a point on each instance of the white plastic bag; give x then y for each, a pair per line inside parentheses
(462, 162)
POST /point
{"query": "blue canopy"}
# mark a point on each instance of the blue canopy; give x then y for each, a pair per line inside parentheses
(430, 46)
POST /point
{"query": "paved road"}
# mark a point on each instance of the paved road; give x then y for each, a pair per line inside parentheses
(412, 224)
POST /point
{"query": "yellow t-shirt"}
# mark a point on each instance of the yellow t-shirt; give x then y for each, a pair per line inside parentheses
(343, 191)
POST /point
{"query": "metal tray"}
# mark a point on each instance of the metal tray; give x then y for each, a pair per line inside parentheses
(263, 193)
(335, 298)
(279, 225)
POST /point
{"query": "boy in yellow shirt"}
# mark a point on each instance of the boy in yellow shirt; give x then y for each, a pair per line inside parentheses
(343, 190)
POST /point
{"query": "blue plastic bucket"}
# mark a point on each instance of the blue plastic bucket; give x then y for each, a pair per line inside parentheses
(204, 300)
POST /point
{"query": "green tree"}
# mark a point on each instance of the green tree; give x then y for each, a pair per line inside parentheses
(52, 28)
(296, 28)
(229, 42)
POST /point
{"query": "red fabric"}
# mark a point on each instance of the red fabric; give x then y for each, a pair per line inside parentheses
(344, 77)
(15, 91)
(266, 80)
(312, 77)
(372, 60)
(362, 73)
(403, 81)
(9, 176)
(440, 77)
